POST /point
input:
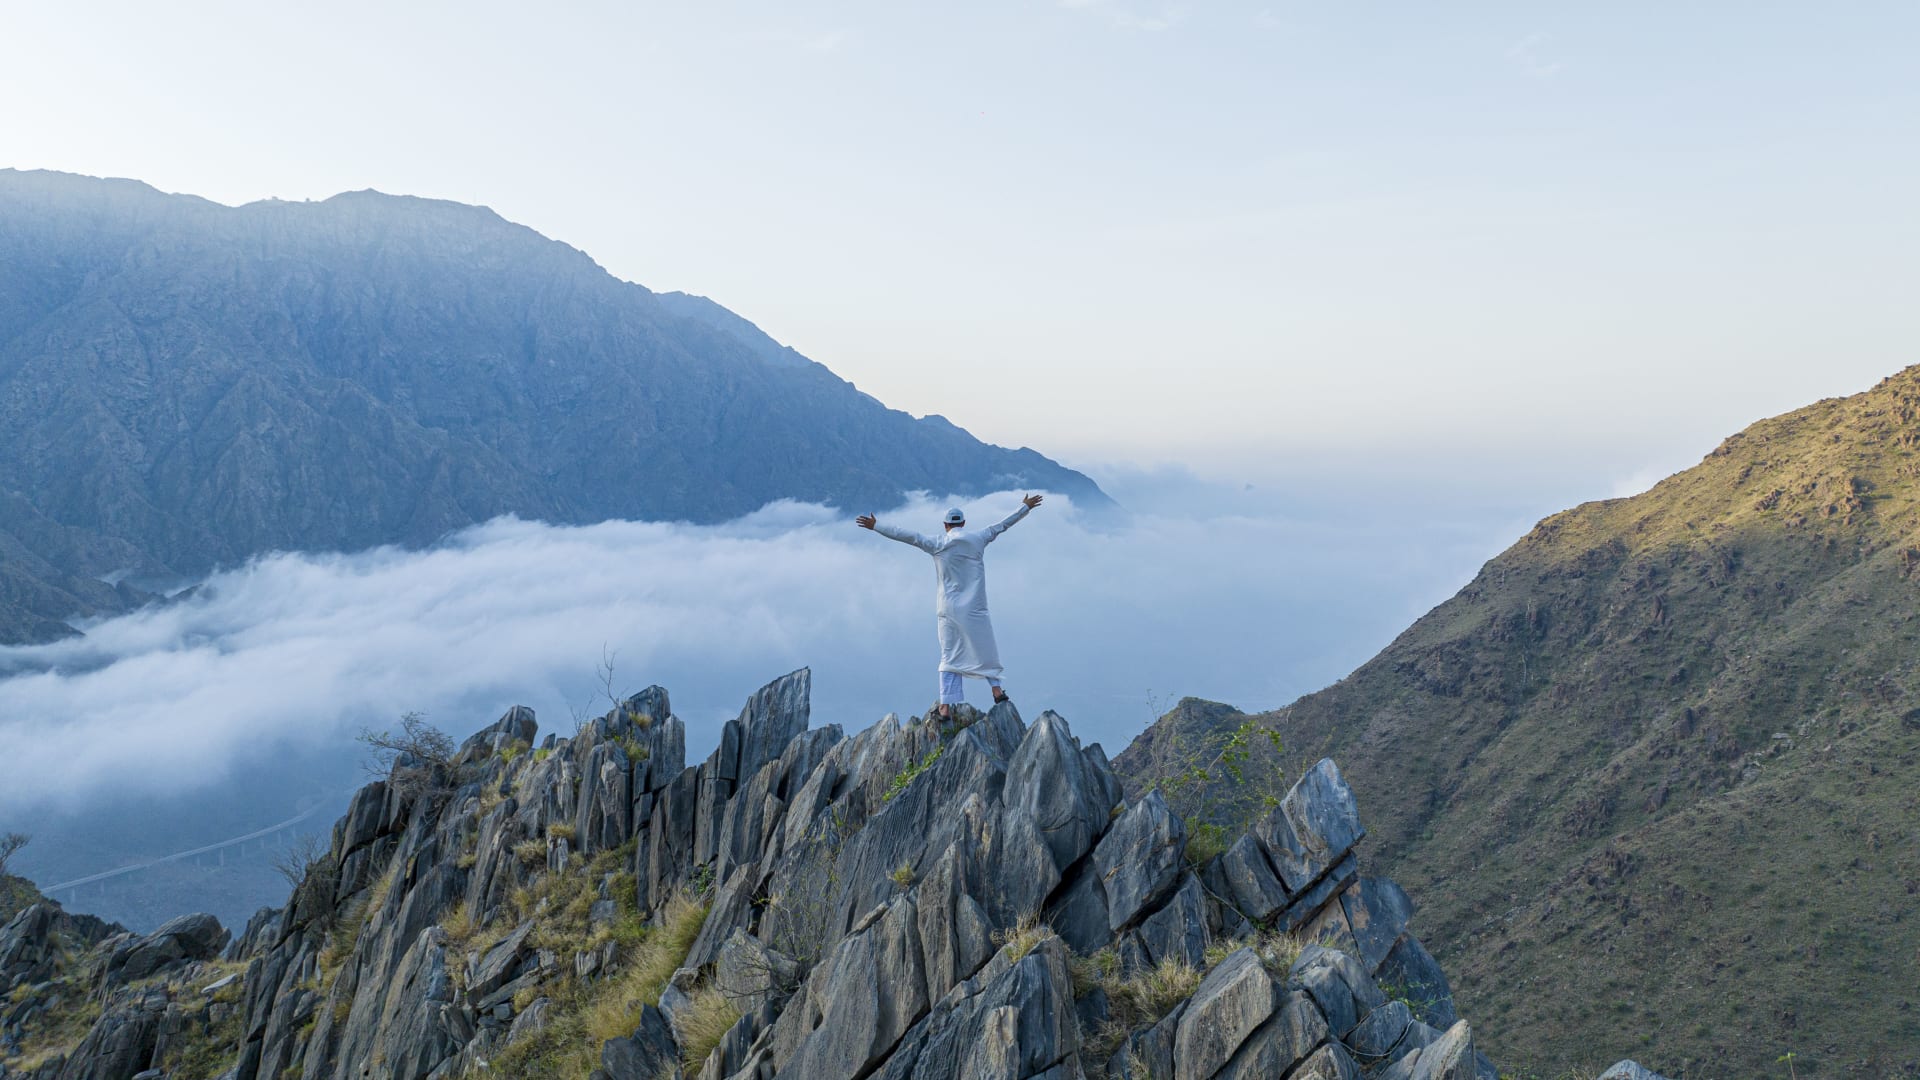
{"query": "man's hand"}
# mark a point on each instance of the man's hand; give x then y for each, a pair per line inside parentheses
(865, 521)
(1032, 501)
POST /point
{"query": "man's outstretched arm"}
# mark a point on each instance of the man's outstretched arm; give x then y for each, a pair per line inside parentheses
(1026, 504)
(892, 532)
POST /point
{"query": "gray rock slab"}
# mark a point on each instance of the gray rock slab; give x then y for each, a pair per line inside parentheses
(1235, 998)
(1629, 1070)
(1412, 973)
(1377, 911)
(1286, 1039)
(1140, 859)
(1339, 985)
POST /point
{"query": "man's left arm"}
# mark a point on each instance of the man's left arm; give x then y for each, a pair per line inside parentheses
(1026, 505)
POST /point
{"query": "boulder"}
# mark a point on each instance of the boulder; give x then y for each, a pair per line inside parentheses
(189, 937)
(1629, 1070)
(1388, 1033)
(859, 1001)
(1078, 912)
(1451, 1057)
(1140, 859)
(1330, 1062)
(1012, 1021)
(30, 946)
(1286, 1039)
(774, 716)
(1339, 985)
(1230, 1004)
(1314, 825)
(1049, 779)
(1415, 975)
(1243, 876)
(1377, 912)
(122, 1043)
(1178, 931)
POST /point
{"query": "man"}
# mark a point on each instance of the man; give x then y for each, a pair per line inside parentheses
(966, 633)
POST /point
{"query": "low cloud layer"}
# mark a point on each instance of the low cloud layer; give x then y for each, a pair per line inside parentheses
(293, 653)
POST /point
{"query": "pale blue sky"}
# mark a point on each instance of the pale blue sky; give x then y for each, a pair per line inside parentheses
(1493, 241)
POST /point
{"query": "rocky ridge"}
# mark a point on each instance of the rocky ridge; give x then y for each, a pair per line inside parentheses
(981, 899)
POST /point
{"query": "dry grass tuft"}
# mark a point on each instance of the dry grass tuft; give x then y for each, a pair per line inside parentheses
(703, 1025)
(1022, 937)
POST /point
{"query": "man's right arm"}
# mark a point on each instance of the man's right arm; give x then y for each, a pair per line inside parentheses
(894, 532)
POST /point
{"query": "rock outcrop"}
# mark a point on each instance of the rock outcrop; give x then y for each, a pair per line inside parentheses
(980, 900)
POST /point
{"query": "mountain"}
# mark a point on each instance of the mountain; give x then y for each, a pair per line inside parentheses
(186, 384)
(980, 900)
(1654, 769)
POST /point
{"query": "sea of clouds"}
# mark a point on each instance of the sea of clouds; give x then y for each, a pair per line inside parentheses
(1107, 621)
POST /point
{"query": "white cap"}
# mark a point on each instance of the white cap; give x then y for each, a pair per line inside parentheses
(955, 517)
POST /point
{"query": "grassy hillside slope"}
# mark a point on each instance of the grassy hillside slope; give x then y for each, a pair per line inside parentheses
(1655, 773)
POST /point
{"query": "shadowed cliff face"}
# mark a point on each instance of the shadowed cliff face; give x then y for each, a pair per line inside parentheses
(1653, 770)
(186, 384)
(975, 900)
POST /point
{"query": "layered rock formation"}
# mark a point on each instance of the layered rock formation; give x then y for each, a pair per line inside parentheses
(980, 900)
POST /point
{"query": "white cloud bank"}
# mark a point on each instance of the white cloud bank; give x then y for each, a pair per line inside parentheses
(294, 652)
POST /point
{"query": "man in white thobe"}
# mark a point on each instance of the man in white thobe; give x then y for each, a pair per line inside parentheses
(966, 632)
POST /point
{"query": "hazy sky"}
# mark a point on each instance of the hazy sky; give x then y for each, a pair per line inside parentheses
(1495, 241)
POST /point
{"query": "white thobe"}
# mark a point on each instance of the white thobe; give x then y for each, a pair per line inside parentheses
(966, 632)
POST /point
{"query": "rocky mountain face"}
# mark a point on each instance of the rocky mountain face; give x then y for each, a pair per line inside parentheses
(185, 384)
(1654, 771)
(981, 900)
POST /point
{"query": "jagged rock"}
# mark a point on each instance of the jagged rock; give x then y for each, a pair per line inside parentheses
(1451, 1057)
(667, 859)
(1243, 875)
(1149, 1052)
(1629, 1070)
(1139, 859)
(414, 1033)
(1416, 975)
(956, 932)
(864, 919)
(189, 937)
(1339, 985)
(604, 818)
(646, 1054)
(732, 909)
(774, 716)
(29, 947)
(1012, 1021)
(751, 826)
(1314, 825)
(1049, 778)
(1287, 1038)
(859, 1002)
(121, 1043)
(489, 972)
(1079, 912)
(1389, 1032)
(1330, 1062)
(752, 975)
(531, 1021)
(262, 932)
(1235, 998)
(1377, 912)
(366, 818)
(517, 725)
(1178, 931)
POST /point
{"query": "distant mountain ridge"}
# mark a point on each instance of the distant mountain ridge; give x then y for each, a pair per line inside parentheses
(185, 384)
